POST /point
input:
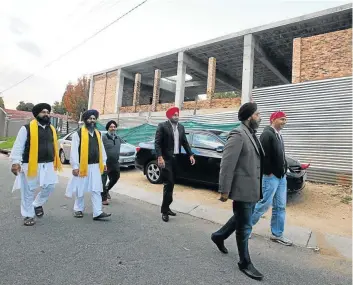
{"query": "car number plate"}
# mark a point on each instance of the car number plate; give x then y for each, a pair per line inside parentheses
(128, 160)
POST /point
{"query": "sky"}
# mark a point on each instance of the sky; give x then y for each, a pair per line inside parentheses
(34, 33)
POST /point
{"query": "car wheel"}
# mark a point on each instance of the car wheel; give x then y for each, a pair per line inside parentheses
(153, 172)
(63, 159)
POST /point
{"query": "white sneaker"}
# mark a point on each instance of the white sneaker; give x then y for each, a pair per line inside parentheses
(281, 240)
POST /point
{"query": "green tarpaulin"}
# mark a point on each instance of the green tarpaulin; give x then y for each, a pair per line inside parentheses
(146, 132)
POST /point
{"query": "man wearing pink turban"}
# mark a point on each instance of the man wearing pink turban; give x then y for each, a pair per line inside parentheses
(274, 181)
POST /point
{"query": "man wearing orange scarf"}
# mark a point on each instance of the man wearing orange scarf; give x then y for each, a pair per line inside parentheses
(35, 159)
(88, 161)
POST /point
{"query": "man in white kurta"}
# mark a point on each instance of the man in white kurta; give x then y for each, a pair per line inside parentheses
(92, 182)
(46, 177)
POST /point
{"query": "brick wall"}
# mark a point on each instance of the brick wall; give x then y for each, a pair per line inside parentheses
(104, 90)
(110, 93)
(322, 57)
(98, 93)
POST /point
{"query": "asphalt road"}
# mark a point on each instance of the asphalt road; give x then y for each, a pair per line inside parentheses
(137, 247)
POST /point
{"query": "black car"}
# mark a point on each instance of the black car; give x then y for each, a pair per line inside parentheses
(208, 148)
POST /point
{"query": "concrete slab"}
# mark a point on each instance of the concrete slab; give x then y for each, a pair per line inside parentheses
(183, 206)
(342, 244)
(216, 215)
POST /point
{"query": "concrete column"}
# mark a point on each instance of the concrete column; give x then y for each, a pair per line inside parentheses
(90, 94)
(211, 78)
(156, 89)
(119, 90)
(180, 83)
(296, 61)
(248, 68)
(137, 89)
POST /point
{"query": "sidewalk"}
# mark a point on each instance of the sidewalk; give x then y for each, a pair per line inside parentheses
(330, 244)
(304, 237)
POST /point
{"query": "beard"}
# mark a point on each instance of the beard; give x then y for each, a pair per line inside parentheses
(112, 133)
(45, 120)
(254, 124)
(174, 121)
(90, 126)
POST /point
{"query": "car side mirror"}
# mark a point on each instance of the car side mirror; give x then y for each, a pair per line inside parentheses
(220, 148)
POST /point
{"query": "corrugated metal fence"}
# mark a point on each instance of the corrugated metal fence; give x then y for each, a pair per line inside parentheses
(319, 128)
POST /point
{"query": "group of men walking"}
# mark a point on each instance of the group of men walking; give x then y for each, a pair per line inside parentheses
(252, 174)
(35, 160)
(252, 171)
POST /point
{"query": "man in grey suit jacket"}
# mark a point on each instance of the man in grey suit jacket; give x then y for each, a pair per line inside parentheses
(240, 180)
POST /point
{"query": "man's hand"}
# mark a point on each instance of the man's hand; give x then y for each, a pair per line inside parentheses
(192, 160)
(105, 168)
(224, 197)
(75, 172)
(16, 169)
(161, 162)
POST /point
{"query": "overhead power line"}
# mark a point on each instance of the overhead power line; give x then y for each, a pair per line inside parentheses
(76, 46)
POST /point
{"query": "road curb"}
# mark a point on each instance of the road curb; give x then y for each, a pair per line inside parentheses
(302, 237)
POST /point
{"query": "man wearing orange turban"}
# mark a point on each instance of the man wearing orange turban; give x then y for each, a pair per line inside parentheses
(170, 136)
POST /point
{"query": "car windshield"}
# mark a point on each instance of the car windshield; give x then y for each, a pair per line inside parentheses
(223, 136)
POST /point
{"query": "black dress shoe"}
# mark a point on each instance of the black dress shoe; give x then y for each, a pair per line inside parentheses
(102, 216)
(165, 217)
(171, 213)
(251, 271)
(219, 243)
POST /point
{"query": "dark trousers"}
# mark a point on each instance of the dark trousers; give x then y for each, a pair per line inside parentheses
(113, 178)
(168, 176)
(241, 223)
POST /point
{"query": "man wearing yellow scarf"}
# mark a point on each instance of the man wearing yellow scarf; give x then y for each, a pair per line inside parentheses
(35, 159)
(88, 161)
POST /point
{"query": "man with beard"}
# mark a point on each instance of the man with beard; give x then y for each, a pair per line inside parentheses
(35, 159)
(274, 181)
(240, 180)
(88, 161)
(170, 136)
(112, 145)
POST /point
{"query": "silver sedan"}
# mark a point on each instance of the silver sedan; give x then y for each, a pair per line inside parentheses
(127, 151)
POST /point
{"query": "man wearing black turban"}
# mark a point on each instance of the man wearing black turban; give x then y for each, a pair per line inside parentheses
(88, 160)
(240, 180)
(112, 144)
(35, 156)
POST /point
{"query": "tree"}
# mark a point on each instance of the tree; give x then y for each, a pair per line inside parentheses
(59, 108)
(75, 98)
(2, 104)
(22, 106)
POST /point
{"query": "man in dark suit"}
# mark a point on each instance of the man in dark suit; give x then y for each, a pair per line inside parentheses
(170, 136)
(240, 180)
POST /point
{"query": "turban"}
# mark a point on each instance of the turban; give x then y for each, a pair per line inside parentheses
(277, 115)
(110, 123)
(246, 111)
(39, 108)
(171, 112)
(86, 115)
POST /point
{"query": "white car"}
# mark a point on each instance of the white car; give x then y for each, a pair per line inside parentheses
(127, 151)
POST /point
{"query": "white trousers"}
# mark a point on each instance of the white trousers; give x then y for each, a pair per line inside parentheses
(27, 199)
(96, 199)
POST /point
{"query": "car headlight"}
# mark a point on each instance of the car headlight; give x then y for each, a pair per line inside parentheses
(288, 171)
